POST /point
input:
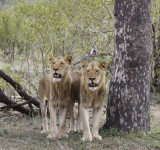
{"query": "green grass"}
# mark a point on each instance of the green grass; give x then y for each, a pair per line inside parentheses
(21, 132)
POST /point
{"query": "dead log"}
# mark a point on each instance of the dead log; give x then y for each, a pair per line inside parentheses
(18, 87)
(18, 107)
(12, 105)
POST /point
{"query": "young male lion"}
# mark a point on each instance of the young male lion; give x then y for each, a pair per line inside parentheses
(56, 88)
(92, 94)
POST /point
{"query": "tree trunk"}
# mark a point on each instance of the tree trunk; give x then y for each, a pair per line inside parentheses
(21, 91)
(129, 92)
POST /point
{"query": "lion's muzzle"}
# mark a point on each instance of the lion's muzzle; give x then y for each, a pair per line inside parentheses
(92, 84)
(57, 76)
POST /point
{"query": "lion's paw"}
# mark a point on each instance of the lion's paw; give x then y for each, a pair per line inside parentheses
(62, 135)
(71, 131)
(79, 130)
(98, 137)
(52, 136)
(87, 138)
(44, 131)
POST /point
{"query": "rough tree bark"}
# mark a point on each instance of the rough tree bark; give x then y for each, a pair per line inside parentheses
(129, 92)
(21, 91)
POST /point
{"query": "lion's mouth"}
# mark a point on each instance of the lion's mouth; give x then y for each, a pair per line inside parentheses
(93, 84)
(56, 75)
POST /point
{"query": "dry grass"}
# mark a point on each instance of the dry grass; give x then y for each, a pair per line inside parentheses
(21, 132)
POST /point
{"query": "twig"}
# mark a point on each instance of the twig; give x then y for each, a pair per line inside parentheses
(89, 55)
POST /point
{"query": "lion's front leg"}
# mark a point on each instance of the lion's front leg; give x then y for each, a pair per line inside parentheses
(87, 136)
(53, 126)
(63, 115)
(97, 112)
(43, 107)
(79, 122)
(71, 113)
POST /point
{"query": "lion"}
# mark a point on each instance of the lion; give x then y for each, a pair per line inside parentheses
(56, 88)
(92, 94)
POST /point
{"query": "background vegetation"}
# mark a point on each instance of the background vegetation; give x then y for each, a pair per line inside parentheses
(30, 30)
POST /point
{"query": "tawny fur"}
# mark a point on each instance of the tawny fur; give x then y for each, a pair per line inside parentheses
(92, 94)
(57, 92)
(63, 94)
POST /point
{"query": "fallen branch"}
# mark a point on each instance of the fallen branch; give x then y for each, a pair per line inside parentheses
(15, 70)
(14, 104)
(21, 91)
(11, 104)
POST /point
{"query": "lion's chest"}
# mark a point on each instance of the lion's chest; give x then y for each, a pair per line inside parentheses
(61, 93)
(93, 99)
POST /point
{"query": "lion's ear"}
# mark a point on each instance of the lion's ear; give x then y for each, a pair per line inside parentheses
(84, 64)
(103, 65)
(50, 58)
(68, 59)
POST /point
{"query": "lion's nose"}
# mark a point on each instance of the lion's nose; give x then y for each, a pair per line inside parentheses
(92, 79)
(55, 69)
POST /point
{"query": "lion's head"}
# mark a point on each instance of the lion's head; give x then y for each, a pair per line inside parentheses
(93, 74)
(59, 67)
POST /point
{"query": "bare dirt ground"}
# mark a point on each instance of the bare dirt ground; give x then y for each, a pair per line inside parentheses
(19, 132)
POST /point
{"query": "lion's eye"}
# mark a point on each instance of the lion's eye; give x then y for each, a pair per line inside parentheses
(62, 63)
(53, 63)
(87, 71)
(97, 71)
